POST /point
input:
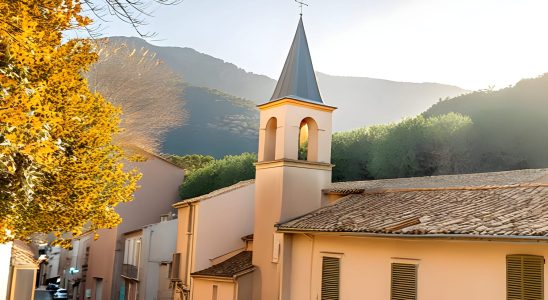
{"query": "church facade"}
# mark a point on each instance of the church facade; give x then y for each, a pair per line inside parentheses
(472, 236)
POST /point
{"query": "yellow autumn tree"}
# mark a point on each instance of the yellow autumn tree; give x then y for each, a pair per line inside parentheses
(59, 171)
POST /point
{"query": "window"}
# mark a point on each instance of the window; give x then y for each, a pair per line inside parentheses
(524, 277)
(403, 284)
(214, 294)
(330, 278)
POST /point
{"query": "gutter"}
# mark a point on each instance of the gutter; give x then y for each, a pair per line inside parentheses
(514, 238)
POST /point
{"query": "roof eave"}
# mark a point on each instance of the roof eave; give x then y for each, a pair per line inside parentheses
(519, 238)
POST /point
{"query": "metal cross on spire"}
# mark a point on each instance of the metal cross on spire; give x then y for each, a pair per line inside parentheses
(301, 5)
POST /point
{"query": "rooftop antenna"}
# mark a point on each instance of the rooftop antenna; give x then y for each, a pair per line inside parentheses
(301, 6)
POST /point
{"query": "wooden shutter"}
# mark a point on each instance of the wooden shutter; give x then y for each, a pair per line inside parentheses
(175, 267)
(524, 277)
(404, 282)
(330, 278)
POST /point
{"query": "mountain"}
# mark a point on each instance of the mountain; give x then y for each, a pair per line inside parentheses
(199, 69)
(218, 125)
(219, 85)
(365, 101)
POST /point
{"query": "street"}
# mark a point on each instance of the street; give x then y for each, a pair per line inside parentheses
(41, 294)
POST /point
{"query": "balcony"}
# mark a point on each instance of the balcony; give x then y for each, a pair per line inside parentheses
(130, 271)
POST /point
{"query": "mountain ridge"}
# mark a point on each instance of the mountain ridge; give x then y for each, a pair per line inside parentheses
(362, 101)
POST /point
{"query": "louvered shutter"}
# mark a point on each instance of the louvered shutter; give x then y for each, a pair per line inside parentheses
(404, 282)
(175, 267)
(524, 277)
(330, 278)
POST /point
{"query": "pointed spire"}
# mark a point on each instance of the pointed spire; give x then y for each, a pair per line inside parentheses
(298, 79)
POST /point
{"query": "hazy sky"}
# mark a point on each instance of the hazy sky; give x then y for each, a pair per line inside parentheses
(469, 43)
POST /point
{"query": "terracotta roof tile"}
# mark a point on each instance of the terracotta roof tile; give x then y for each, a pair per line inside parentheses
(443, 181)
(230, 267)
(490, 204)
(23, 254)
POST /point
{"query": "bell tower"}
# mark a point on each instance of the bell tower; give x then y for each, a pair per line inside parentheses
(294, 165)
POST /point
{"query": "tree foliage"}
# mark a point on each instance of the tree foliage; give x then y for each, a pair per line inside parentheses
(218, 174)
(148, 92)
(510, 124)
(59, 171)
(191, 162)
(416, 146)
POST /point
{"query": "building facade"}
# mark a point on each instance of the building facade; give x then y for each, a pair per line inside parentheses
(210, 231)
(100, 261)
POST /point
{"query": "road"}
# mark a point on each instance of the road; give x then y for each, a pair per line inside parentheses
(40, 294)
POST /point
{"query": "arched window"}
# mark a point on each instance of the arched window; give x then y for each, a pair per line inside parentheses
(308, 140)
(270, 140)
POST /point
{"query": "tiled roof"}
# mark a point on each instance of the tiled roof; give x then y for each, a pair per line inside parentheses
(495, 204)
(216, 192)
(23, 254)
(443, 181)
(229, 268)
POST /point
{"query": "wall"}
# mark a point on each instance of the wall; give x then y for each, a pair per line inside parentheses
(448, 269)
(221, 223)
(5, 258)
(158, 245)
(159, 191)
(100, 261)
(203, 289)
(282, 193)
(244, 286)
(54, 257)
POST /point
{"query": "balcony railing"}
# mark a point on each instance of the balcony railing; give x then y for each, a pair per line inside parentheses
(130, 271)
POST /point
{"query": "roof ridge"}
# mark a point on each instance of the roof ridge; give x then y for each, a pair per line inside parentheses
(454, 188)
(216, 192)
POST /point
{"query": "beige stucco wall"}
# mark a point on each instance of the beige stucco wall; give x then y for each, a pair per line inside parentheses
(159, 191)
(244, 287)
(286, 188)
(447, 269)
(213, 227)
(288, 118)
(221, 223)
(100, 261)
(203, 289)
(5, 259)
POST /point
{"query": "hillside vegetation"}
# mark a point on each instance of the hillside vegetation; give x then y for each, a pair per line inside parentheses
(482, 131)
(218, 124)
(218, 174)
(479, 132)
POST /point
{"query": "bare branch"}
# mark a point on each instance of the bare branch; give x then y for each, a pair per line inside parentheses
(149, 93)
(133, 12)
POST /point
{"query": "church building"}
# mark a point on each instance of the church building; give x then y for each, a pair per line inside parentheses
(471, 236)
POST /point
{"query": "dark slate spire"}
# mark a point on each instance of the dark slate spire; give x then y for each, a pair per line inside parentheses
(298, 79)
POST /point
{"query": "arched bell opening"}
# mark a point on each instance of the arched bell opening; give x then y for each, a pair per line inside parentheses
(270, 140)
(308, 140)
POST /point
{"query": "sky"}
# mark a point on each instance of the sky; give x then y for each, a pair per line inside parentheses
(473, 44)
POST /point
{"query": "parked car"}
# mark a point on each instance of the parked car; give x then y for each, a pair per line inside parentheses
(60, 294)
(51, 288)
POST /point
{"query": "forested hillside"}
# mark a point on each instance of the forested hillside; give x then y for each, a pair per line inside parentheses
(218, 124)
(511, 125)
(478, 132)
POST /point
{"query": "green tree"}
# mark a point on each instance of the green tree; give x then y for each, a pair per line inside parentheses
(421, 146)
(190, 162)
(218, 174)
